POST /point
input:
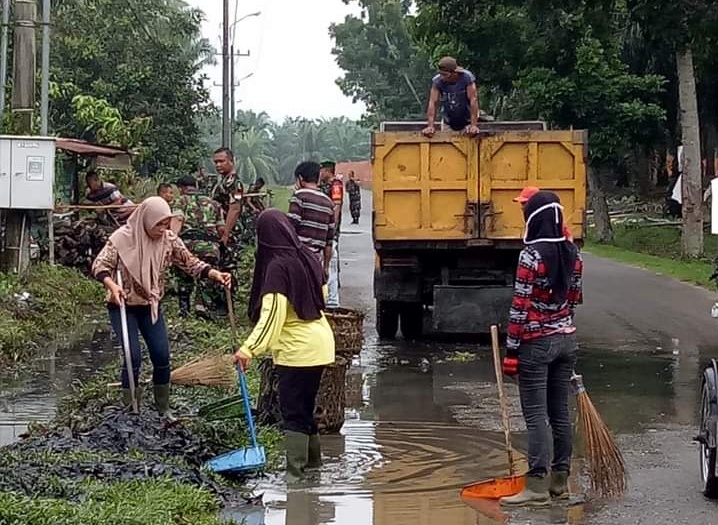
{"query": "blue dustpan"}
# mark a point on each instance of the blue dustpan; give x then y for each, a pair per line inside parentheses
(242, 460)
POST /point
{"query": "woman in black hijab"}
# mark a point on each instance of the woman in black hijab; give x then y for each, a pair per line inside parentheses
(541, 346)
(287, 304)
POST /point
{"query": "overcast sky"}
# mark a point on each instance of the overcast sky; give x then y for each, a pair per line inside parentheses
(293, 70)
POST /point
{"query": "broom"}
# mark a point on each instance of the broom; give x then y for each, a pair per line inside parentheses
(216, 370)
(606, 466)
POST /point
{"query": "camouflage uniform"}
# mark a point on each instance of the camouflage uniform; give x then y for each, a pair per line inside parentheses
(200, 232)
(354, 191)
(229, 190)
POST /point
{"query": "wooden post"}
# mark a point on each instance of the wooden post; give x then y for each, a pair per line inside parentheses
(17, 226)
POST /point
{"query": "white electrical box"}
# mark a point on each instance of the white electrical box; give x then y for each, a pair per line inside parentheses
(27, 172)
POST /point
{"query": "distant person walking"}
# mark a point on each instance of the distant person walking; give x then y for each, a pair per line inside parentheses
(541, 347)
(354, 191)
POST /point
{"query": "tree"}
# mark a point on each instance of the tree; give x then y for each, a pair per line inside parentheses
(683, 25)
(384, 67)
(253, 156)
(140, 58)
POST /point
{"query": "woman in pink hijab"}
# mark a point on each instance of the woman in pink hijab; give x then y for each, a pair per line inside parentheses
(141, 251)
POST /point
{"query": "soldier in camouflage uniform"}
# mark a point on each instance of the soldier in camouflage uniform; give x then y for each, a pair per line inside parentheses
(229, 192)
(202, 229)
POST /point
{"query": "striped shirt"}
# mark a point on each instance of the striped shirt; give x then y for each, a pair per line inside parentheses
(533, 315)
(312, 214)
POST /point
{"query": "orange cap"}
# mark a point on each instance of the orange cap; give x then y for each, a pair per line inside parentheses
(526, 194)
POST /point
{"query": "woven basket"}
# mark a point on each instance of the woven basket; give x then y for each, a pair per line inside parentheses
(348, 328)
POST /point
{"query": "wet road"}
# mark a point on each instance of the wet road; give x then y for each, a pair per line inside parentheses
(423, 417)
(423, 422)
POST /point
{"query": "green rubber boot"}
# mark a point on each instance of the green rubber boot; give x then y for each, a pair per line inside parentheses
(314, 459)
(558, 487)
(127, 397)
(296, 445)
(162, 401)
(534, 495)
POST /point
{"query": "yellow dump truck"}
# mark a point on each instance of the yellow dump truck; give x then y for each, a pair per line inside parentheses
(447, 232)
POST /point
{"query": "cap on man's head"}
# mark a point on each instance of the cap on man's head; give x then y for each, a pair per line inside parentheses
(526, 194)
(328, 164)
(186, 181)
(448, 64)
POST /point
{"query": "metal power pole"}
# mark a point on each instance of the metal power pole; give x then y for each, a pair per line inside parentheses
(226, 82)
(45, 110)
(17, 226)
(3, 56)
(233, 110)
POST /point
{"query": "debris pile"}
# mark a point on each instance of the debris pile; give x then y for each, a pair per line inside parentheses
(78, 241)
(122, 446)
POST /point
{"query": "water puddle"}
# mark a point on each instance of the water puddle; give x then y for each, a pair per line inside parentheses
(32, 395)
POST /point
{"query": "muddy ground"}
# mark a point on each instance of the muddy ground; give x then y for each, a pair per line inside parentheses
(423, 419)
(427, 421)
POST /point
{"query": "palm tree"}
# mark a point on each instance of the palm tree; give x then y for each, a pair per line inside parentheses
(253, 155)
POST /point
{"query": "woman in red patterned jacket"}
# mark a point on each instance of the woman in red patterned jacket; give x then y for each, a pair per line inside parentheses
(541, 346)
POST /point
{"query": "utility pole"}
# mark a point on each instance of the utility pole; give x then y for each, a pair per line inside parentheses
(17, 226)
(226, 131)
(3, 56)
(45, 111)
(235, 84)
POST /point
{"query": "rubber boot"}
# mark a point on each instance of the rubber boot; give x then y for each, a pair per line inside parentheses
(127, 397)
(162, 401)
(184, 304)
(296, 445)
(314, 458)
(534, 495)
(558, 487)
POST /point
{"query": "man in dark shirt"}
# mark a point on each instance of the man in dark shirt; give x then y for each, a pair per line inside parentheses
(455, 88)
(101, 193)
(312, 213)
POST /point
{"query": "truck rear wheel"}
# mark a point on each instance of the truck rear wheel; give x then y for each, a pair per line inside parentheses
(387, 319)
(412, 320)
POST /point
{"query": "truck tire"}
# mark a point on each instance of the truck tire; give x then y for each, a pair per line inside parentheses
(387, 319)
(412, 320)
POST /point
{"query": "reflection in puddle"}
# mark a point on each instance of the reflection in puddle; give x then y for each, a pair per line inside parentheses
(32, 398)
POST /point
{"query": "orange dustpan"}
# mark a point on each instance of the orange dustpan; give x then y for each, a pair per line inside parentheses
(512, 484)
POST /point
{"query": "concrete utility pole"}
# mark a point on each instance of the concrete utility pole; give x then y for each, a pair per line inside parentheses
(226, 130)
(3, 56)
(16, 256)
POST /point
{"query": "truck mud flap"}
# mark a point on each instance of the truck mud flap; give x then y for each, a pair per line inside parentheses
(470, 309)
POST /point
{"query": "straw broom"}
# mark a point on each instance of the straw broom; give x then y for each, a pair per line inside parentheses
(606, 466)
(216, 370)
(209, 370)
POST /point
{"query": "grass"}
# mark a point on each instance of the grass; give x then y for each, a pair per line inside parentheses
(158, 502)
(657, 248)
(60, 297)
(59, 300)
(281, 196)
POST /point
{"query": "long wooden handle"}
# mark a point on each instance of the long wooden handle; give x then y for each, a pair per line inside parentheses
(502, 397)
(230, 312)
(128, 351)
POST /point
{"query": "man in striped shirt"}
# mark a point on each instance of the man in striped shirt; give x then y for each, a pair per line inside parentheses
(312, 213)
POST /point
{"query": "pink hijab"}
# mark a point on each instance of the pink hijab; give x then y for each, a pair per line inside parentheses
(141, 254)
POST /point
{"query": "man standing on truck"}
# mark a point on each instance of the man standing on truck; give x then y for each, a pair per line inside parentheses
(455, 88)
(334, 189)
